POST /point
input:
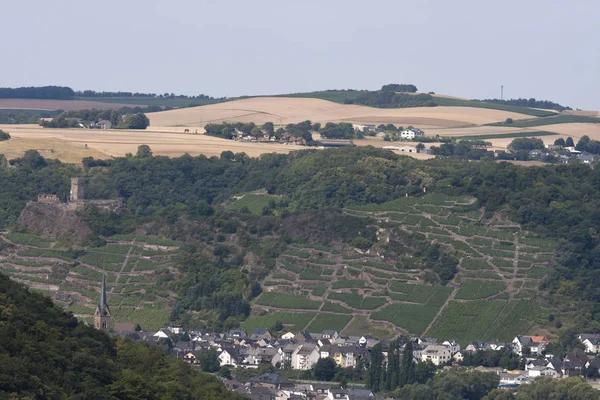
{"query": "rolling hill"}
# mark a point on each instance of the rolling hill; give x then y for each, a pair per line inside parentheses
(282, 110)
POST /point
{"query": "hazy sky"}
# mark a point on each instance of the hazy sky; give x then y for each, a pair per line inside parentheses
(547, 49)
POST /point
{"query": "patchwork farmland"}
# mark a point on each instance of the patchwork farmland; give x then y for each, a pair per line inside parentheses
(136, 267)
(500, 268)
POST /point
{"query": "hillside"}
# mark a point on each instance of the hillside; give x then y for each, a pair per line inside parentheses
(257, 241)
(138, 269)
(281, 110)
(499, 270)
(46, 353)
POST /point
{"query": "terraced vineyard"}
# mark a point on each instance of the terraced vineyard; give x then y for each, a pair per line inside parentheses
(493, 295)
(135, 267)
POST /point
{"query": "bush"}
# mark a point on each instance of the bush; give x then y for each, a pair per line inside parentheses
(4, 135)
(362, 243)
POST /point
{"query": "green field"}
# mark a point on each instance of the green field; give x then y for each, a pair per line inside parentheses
(508, 135)
(445, 101)
(253, 202)
(337, 96)
(151, 101)
(284, 300)
(558, 119)
(292, 321)
(328, 321)
(472, 290)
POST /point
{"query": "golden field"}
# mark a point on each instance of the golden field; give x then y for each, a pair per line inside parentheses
(116, 143)
(282, 111)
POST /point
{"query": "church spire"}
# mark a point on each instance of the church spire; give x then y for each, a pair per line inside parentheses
(102, 314)
(103, 292)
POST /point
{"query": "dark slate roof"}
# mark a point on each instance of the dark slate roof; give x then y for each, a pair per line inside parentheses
(271, 378)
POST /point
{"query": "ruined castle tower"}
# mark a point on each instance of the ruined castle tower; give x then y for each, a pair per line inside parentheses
(77, 189)
(102, 314)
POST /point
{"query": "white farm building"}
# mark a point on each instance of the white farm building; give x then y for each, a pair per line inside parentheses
(411, 133)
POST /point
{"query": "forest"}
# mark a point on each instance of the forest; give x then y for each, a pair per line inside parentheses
(75, 119)
(532, 103)
(560, 202)
(41, 92)
(46, 353)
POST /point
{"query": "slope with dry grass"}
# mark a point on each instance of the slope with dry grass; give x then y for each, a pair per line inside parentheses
(282, 110)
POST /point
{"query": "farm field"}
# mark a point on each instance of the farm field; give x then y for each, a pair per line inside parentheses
(282, 110)
(254, 202)
(68, 144)
(133, 267)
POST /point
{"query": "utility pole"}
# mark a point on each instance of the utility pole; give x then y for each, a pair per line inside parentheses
(502, 92)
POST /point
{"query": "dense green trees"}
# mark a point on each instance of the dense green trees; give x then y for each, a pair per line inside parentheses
(399, 371)
(504, 358)
(134, 121)
(399, 88)
(343, 130)
(325, 369)
(4, 135)
(532, 103)
(87, 118)
(451, 385)
(588, 145)
(46, 353)
(526, 144)
(386, 98)
(549, 389)
(41, 92)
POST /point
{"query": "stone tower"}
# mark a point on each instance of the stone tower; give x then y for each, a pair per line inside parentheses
(102, 314)
(77, 189)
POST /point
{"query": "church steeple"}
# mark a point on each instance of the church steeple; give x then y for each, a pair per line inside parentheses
(102, 314)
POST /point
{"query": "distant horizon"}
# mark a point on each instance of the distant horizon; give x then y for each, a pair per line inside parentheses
(464, 48)
(297, 92)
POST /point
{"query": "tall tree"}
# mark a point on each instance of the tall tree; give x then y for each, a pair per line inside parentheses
(375, 373)
(407, 367)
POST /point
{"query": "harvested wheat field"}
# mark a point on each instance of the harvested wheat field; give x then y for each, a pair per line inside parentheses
(63, 150)
(281, 110)
(575, 130)
(104, 143)
(50, 105)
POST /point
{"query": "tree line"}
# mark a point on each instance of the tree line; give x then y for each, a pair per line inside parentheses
(531, 103)
(87, 118)
(41, 92)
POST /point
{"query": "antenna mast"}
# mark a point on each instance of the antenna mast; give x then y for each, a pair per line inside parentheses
(502, 92)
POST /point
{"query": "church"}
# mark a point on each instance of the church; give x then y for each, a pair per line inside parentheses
(102, 313)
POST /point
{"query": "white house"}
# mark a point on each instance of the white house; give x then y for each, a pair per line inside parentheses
(451, 345)
(436, 353)
(591, 342)
(288, 335)
(542, 371)
(162, 334)
(411, 133)
(535, 343)
(305, 357)
(227, 357)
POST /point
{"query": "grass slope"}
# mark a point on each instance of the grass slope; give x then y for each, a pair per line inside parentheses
(552, 120)
(445, 101)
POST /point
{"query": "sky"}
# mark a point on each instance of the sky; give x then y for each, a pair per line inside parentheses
(547, 49)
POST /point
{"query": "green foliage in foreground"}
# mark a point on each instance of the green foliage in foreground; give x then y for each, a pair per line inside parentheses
(70, 360)
(574, 388)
